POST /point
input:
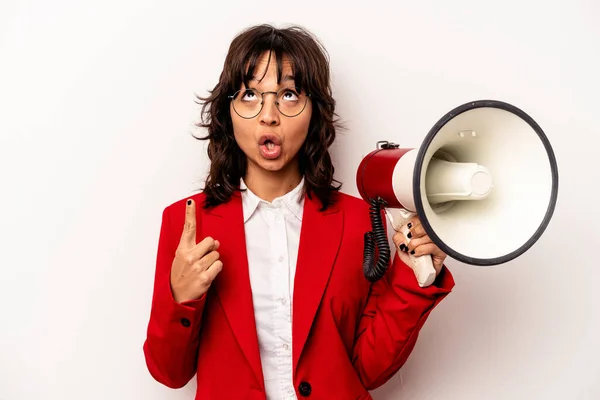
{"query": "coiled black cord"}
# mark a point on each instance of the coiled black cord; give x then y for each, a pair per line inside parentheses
(373, 272)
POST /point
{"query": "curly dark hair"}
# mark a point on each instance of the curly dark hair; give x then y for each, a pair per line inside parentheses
(310, 66)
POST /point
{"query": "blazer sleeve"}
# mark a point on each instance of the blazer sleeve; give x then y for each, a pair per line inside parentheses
(171, 344)
(396, 310)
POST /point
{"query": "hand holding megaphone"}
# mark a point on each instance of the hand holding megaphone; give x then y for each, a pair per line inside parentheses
(415, 247)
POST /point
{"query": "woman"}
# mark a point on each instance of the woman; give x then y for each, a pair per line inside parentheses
(259, 287)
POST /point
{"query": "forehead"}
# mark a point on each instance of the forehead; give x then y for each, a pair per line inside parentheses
(269, 70)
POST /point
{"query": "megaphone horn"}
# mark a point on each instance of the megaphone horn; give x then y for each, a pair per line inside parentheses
(483, 168)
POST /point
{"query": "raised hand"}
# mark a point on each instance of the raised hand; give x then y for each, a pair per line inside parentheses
(196, 265)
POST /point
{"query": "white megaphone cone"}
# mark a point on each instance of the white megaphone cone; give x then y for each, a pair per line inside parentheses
(483, 169)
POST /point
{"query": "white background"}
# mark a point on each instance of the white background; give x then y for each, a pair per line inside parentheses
(96, 116)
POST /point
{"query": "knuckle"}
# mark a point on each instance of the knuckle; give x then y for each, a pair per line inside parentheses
(425, 249)
(425, 239)
(203, 263)
(188, 258)
(204, 279)
(197, 268)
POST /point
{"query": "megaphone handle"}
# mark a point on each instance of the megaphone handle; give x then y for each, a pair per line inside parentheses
(422, 266)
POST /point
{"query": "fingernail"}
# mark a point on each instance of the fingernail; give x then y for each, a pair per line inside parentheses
(402, 247)
(189, 202)
(412, 252)
(409, 225)
(409, 235)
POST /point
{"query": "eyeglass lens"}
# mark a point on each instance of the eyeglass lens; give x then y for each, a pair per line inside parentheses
(249, 102)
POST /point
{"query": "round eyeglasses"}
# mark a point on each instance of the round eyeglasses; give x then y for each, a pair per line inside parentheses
(248, 103)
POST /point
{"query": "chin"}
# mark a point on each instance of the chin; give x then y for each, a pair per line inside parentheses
(272, 165)
(275, 165)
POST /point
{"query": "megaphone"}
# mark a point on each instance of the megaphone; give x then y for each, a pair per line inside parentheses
(484, 183)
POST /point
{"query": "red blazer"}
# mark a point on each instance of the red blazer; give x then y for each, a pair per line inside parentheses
(348, 336)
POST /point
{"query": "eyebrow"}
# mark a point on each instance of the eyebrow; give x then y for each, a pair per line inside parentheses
(285, 78)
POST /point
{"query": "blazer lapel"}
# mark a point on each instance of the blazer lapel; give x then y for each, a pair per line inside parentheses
(320, 239)
(225, 223)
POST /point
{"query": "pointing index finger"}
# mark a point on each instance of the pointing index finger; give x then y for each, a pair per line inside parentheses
(188, 236)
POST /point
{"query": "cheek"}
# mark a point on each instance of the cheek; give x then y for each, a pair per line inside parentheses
(295, 140)
(243, 133)
(300, 131)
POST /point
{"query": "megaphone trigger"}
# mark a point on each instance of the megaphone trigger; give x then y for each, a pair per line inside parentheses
(422, 266)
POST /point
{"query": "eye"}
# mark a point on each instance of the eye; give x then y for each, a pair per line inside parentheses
(289, 95)
(249, 95)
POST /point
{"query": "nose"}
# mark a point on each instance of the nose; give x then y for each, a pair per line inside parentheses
(269, 115)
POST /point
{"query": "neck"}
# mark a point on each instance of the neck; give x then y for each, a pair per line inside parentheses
(269, 185)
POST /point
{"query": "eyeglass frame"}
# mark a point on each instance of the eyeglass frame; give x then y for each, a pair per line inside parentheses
(262, 101)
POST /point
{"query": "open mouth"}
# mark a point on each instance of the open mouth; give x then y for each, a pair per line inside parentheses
(270, 137)
(270, 146)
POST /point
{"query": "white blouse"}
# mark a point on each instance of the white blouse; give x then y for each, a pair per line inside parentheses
(272, 238)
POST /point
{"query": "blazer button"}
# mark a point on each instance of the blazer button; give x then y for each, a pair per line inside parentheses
(185, 322)
(304, 388)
